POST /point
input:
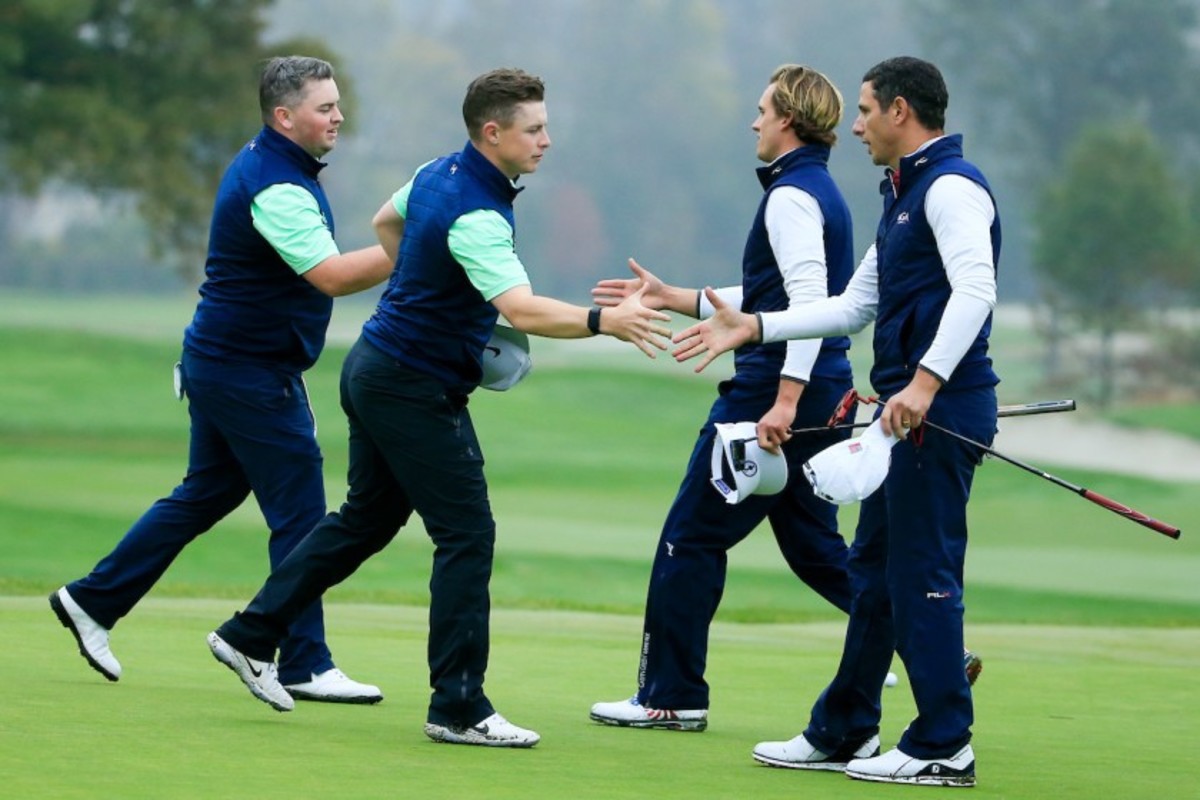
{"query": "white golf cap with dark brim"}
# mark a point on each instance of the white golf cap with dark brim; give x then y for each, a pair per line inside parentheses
(752, 470)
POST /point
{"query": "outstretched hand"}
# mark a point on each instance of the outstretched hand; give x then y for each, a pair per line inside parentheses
(725, 330)
(611, 291)
(632, 321)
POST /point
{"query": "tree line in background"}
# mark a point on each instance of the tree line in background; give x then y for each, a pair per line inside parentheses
(1092, 103)
(1081, 112)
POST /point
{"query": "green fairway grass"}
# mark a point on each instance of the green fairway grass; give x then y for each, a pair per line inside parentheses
(582, 463)
(1089, 624)
(1062, 712)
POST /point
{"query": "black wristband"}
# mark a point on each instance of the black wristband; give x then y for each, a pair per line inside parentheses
(593, 320)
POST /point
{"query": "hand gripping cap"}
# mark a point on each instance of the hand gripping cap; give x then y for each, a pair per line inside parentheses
(753, 470)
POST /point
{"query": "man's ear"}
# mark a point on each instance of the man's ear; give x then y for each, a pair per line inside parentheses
(490, 132)
(283, 117)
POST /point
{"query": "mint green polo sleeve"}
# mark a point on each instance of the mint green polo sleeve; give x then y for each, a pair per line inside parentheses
(400, 198)
(288, 217)
(482, 241)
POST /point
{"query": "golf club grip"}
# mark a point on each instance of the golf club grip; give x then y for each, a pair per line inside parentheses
(1128, 513)
(1044, 407)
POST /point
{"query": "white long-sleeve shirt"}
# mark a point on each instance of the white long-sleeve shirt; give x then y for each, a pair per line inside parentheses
(796, 231)
(960, 213)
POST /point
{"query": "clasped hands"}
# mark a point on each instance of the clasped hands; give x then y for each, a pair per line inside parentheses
(727, 329)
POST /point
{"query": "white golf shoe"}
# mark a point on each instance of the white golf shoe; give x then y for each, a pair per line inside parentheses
(260, 677)
(895, 766)
(91, 636)
(493, 731)
(334, 686)
(632, 714)
(798, 753)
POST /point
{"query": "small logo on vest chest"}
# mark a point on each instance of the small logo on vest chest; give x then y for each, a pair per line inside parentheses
(902, 219)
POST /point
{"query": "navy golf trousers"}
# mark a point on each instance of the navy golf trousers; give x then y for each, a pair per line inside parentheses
(906, 568)
(252, 430)
(688, 576)
(412, 448)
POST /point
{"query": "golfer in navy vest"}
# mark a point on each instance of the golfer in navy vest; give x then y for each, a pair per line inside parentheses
(929, 284)
(405, 387)
(800, 248)
(271, 273)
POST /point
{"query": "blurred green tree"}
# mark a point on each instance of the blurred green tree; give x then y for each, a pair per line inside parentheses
(1112, 236)
(639, 93)
(142, 97)
(1033, 75)
(1036, 73)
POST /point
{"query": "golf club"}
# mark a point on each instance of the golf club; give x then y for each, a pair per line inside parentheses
(1088, 494)
(1017, 410)
(738, 446)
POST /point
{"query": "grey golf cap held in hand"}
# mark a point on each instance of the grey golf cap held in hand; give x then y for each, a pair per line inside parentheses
(753, 470)
(850, 471)
(506, 359)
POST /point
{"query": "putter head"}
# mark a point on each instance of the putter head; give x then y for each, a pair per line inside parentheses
(848, 401)
(737, 453)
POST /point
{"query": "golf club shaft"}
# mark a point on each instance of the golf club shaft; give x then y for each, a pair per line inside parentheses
(1099, 499)
(1018, 410)
(1043, 407)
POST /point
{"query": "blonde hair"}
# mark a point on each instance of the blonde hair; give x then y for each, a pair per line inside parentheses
(811, 99)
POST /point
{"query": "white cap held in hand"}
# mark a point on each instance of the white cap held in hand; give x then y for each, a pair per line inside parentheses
(753, 470)
(850, 471)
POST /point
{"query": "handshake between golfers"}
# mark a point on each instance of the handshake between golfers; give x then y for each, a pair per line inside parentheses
(723, 327)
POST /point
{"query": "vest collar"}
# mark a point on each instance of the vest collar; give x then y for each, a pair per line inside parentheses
(487, 172)
(274, 140)
(805, 154)
(913, 164)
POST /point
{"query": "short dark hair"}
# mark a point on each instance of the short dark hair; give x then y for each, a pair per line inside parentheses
(284, 81)
(495, 96)
(918, 82)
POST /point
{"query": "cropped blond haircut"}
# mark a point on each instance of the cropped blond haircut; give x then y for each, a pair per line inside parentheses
(811, 99)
